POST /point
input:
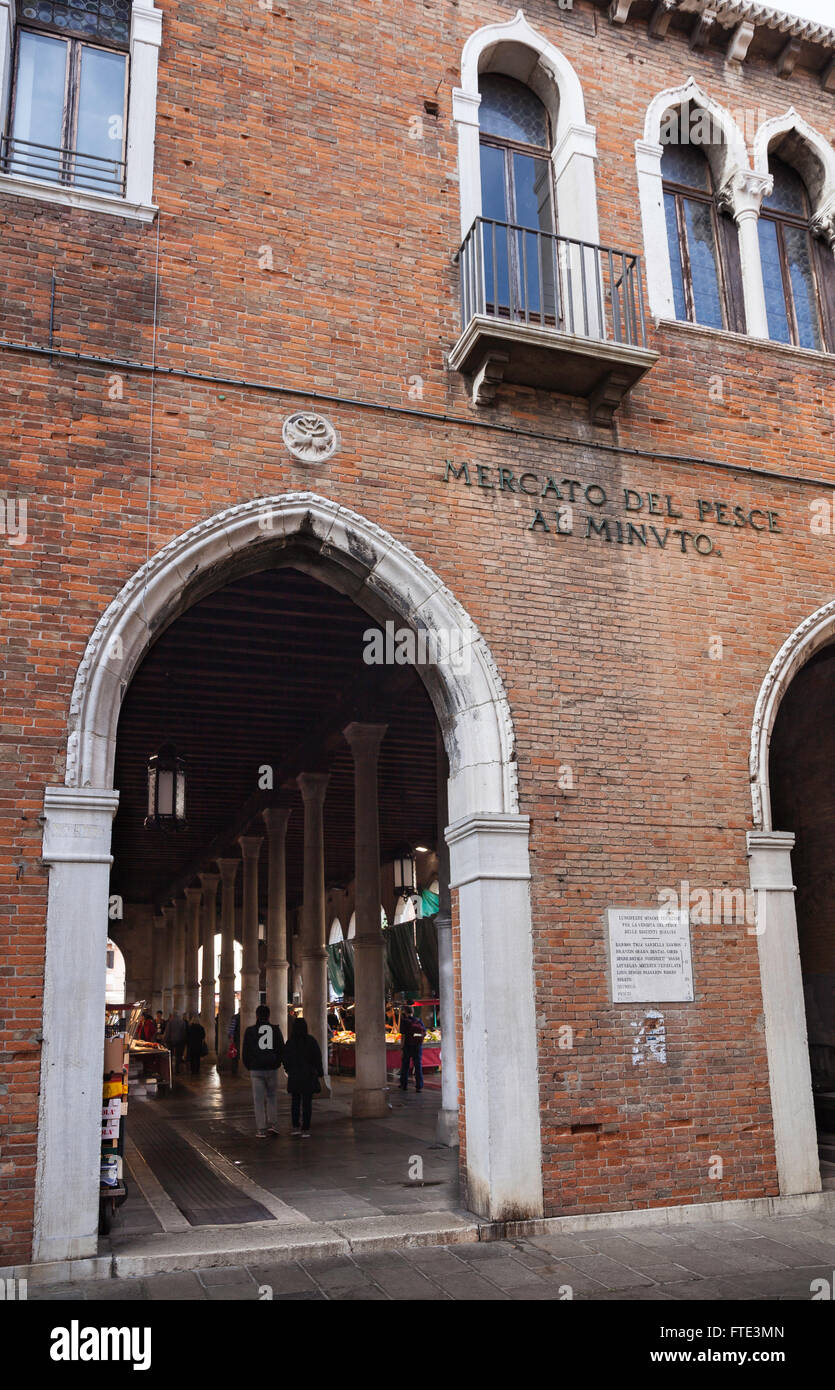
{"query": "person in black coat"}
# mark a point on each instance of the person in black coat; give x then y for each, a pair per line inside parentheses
(302, 1062)
(195, 1037)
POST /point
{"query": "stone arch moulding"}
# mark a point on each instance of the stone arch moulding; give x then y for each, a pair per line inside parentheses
(815, 161)
(488, 839)
(769, 853)
(735, 182)
(518, 50)
(800, 646)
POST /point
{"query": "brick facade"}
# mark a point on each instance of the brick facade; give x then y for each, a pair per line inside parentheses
(294, 129)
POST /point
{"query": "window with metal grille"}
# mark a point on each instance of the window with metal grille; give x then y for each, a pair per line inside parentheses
(68, 110)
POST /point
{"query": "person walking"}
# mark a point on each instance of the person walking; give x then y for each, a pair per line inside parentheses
(175, 1038)
(262, 1054)
(159, 1026)
(303, 1065)
(412, 1033)
(195, 1039)
(233, 1032)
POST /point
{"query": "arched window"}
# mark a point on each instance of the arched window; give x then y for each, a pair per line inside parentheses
(796, 275)
(517, 199)
(702, 241)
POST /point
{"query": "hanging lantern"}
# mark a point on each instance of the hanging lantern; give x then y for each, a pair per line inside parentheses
(166, 790)
(405, 874)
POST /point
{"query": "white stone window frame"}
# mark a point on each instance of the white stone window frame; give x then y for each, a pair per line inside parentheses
(813, 158)
(137, 203)
(739, 189)
(515, 49)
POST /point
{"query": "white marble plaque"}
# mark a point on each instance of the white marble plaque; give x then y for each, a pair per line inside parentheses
(649, 955)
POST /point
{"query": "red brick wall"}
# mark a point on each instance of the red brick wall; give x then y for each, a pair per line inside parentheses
(290, 129)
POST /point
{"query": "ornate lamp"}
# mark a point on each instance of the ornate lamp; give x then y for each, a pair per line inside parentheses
(166, 790)
(405, 873)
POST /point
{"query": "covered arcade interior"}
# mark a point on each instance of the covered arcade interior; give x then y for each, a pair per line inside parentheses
(279, 840)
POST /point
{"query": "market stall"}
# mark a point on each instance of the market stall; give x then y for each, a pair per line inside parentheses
(120, 1024)
(343, 1039)
(155, 1063)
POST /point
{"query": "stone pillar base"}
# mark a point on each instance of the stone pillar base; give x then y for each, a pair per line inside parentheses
(447, 1129)
(369, 1105)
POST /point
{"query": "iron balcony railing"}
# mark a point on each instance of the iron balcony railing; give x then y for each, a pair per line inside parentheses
(53, 165)
(527, 276)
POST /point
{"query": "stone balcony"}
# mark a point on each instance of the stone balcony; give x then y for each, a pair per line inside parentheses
(550, 312)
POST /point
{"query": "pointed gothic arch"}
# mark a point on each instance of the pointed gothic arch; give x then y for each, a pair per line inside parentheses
(488, 841)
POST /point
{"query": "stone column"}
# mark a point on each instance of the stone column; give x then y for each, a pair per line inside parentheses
(76, 849)
(313, 786)
(784, 1012)
(276, 819)
(226, 1006)
(180, 956)
(168, 959)
(250, 849)
(159, 958)
(489, 865)
(209, 884)
(742, 197)
(447, 1130)
(370, 1088)
(194, 897)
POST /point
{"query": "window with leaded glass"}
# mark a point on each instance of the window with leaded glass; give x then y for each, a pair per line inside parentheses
(702, 242)
(67, 121)
(796, 274)
(516, 199)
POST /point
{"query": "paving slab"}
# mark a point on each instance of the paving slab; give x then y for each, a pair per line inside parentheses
(226, 1274)
(341, 1276)
(657, 1265)
(282, 1278)
(469, 1287)
(609, 1273)
(510, 1274)
(182, 1287)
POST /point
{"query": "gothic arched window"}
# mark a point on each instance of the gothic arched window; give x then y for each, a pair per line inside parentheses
(795, 272)
(702, 241)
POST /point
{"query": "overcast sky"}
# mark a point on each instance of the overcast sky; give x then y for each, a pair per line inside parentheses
(822, 10)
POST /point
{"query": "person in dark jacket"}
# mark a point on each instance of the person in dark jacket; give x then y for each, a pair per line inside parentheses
(195, 1038)
(175, 1037)
(262, 1054)
(303, 1065)
(412, 1033)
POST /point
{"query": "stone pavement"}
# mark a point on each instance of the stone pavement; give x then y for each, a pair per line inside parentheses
(773, 1258)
